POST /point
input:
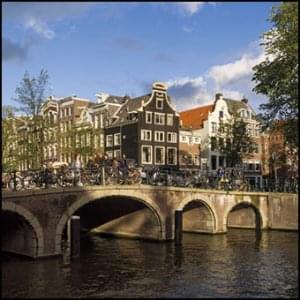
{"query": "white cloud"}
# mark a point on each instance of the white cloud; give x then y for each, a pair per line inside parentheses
(187, 29)
(225, 74)
(40, 27)
(232, 79)
(191, 8)
(38, 16)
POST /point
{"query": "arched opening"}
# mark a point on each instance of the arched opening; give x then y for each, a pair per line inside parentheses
(119, 216)
(198, 217)
(244, 216)
(17, 235)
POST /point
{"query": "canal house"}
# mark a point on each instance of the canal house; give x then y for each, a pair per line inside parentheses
(146, 130)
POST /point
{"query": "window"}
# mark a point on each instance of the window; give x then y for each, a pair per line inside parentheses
(196, 140)
(110, 154)
(183, 138)
(159, 136)
(190, 140)
(148, 117)
(102, 140)
(213, 162)
(82, 140)
(221, 161)
(159, 119)
(159, 103)
(159, 155)
(109, 141)
(146, 135)
(117, 153)
(117, 139)
(88, 139)
(221, 114)
(213, 127)
(147, 154)
(169, 120)
(221, 143)
(96, 121)
(213, 142)
(172, 137)
(171, 156)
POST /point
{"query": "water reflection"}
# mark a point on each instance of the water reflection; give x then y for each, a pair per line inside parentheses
(241, 263)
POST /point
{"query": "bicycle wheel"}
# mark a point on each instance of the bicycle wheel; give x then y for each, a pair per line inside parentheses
(15, 185)
(29, 182)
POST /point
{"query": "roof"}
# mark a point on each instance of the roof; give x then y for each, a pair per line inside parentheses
(234, 105)
(131, 105)
(114, 99)
(194, 118)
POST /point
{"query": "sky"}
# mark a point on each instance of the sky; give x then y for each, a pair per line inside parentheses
(197, 48)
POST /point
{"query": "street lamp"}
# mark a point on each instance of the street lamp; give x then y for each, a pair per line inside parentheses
(274, 157)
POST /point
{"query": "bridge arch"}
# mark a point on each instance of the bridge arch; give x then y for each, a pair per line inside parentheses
(32, 221)
(260, 218)
(205, 201)
(100, 195)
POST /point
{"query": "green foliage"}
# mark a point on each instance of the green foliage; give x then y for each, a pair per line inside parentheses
(234, 142)
(277, 76)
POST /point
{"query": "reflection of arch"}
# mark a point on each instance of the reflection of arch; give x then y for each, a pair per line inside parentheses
(260, 219)
(207, 205)
(33, 222)
(97, 196)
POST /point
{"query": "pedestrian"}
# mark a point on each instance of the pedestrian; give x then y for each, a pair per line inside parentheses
(123, 166)
(77, 165)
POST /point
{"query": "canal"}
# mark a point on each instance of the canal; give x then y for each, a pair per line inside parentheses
(241, 263)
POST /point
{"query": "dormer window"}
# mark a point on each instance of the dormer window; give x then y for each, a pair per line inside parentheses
(159, 103)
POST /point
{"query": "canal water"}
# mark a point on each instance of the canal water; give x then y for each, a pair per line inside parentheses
(241, 263)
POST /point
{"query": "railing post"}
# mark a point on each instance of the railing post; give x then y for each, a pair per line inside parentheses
(178, 227)
(75, 237)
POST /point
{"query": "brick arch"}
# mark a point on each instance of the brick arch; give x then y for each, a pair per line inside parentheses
(98, 195)
(203, 199)
(33, 222)
(257, 210)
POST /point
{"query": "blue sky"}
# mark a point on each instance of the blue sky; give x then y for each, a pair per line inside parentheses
(197, 48)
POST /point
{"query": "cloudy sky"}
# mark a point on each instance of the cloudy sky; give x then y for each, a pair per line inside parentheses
(197, 48)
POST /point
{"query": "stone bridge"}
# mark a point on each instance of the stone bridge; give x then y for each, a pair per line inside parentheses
(34, 223)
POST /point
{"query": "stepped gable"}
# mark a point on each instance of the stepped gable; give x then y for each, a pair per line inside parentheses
(194, 118)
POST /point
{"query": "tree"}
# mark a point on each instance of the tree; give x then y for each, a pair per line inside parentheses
(277, 76)
(233, 141)
(30, 96)
(30, 93)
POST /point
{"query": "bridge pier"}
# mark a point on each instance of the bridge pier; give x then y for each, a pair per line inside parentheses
(75, 237)
(178, 227)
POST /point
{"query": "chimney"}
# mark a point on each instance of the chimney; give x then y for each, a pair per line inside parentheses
(219, 96)
(245, 100)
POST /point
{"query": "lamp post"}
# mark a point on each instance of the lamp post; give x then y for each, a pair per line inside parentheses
(274, 157)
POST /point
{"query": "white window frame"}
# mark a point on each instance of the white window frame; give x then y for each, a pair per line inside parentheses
(170, 118)
(159, 101)
(144, 135)
(157, 134)
(116, 143)
(163, 155)
(112, 140)
(173, 136)
(175, 155)
(183, 138)
(151, 155)
(148, 113)
(161, 115)
(115, 153)
(110, 154)
(197, 141)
